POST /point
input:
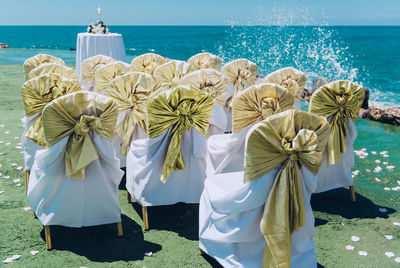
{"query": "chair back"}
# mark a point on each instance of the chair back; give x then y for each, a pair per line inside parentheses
(205, 61)
(179, 109)
(338, 101)
(38, 92)
(37, 60)
(258, 102)
(169, 74)
(90, 65)
(290, 140)
(147, 63)
(78, 116)
(290, 78)
(108, 72)
(131, 92)
(54, 68)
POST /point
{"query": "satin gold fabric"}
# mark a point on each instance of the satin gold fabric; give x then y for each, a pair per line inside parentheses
(132, 91)
(90, 65)
(239, 72)
(292, 138)
(342, 101)
(37, 60)
(292, 79)
(210, 81)
(38, 92)
(205, 61)
(147, 63)
(258, 102)
(180, 109)
(55, 68)
(169, 74)
(76, 115)
(108, 72)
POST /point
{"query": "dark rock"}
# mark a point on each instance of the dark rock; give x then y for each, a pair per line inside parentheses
(72, 49)
(366, 99)
(306, 95)
(259, 76)
(384, 115)
(3, 45)
(319, 82)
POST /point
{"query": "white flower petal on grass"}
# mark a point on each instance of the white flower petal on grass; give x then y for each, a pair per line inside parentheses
(1, 153)
(356, 172)
(16, 138)
(18, 185)
(385, 155)
(1, 174)
(373, 152)
(8, 260)
(385, 163)
(386, 189)
(355, 238)
(8, 143)
(1, 192)
(382, 210)
(19, 147)
(368, 170)
(16, 180)
(389, 237)
(19, 168)
(362, 157)
(383, 152)
(390, 167)
(1, 141)
(397, 259)
(389, 254)
(395, 223)
(14, 164)
(148, 254)
(398, 182)
(349, 247)
(362, 253)
(27, 208)
(6, 177)
(34, 252)
(397, 188)
(377, 161)
(378, 180)
(15, 257)
(377, 169)
(1, 125)
(6, 132)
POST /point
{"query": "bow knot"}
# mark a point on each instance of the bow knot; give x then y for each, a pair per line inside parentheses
(269, 106)
(87, 123)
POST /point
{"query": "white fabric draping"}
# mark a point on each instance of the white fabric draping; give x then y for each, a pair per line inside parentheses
(88, 45)
(229, 220)
(218, 121)
(59, 200)
(228, 112)
(145, 160)
(339, 174)
(29, 147)
(139, 133)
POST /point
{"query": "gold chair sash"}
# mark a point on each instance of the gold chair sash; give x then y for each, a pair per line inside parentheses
(258, 102)
(239, 72)
(180, 108)
(210, 81)
(108, 72)
(205, 61)
(38, 92)
(340, 100)
(287, 140)
(76, 115)
(147, 63)
(37, 60)
(132, 91)
(55, 68)
(169, 74)
(292, 79)
(90, 65)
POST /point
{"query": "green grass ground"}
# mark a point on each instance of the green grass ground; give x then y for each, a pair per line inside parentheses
(173, 235)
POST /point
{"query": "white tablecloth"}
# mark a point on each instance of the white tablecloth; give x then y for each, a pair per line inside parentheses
(88, 45)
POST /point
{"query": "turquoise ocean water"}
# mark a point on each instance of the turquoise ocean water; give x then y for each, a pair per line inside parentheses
(369, 55)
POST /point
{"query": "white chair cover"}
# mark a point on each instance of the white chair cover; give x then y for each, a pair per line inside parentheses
(29, 147)
(229, 220)
(145, 160)
(59, 200)
(339, 174)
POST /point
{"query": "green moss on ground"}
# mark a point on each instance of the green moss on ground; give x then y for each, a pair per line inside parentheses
(173, 237)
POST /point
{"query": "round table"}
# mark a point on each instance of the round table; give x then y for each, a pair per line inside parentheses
(88, 45)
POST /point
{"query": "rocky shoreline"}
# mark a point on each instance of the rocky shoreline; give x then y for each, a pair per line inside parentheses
(3, 45)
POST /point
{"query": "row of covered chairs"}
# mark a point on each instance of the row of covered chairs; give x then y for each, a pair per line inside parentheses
(170, 160)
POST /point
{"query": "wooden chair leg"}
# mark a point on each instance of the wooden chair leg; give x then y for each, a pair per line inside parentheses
(145, 218)
(47, 236)
(201, 252)
(352, 193)
(119, 228)
(27, 172)
(128, 197)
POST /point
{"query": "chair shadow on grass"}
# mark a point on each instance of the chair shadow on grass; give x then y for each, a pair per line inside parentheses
(180, 218)
(101, 243)
(338, 202)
